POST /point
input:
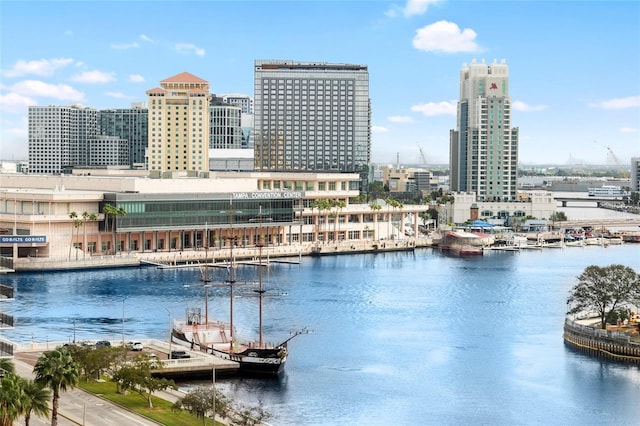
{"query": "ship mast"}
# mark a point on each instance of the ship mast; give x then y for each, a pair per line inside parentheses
(260, 290)
(231, 280)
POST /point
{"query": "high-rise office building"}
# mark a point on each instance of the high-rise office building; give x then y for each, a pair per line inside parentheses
(312, 116)
(179, 124)
(245, 102)
(225, 131)
(130, 124)
(635, 174)
(484, 147)
(60, 136)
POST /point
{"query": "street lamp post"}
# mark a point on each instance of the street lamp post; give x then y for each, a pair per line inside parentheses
(123, 320)
(170, 330)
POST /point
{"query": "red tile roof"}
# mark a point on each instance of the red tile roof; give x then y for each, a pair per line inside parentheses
(156, 90)
(184, 77)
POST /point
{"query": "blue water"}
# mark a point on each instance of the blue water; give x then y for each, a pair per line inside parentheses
(397, 338)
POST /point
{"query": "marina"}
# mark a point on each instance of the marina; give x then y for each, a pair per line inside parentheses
(362, 311)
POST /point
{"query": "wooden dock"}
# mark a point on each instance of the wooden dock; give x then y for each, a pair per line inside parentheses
(199, 364)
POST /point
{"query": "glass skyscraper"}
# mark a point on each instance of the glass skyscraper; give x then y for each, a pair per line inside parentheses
(312, 116)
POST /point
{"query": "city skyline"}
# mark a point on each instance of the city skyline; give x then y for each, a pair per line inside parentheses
(574, 66)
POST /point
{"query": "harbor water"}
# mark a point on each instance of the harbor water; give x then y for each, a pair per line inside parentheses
(395, 338)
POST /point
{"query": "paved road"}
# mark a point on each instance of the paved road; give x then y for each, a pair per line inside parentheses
(78, 407)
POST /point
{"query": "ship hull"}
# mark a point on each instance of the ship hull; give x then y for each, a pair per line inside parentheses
(252, 361)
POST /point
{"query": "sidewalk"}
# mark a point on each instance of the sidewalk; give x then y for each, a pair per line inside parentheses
(78, 407)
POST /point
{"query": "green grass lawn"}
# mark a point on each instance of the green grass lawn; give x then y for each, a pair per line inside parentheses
(161, 411)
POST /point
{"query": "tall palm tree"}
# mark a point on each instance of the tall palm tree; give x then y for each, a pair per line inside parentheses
(77, 223)
(74, 216)
(57, 370)
(36, 400)
(11, 399)
(375, 206)
(86, 216)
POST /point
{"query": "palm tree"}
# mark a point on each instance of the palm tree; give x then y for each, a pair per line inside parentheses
(36, 399)
(112, 212)
(323, 205)
(6, 366)
(11, 399)
(376, 207)
(86, 216)
(74, 216)
(77, 223)
(339, 204)
(57, 370)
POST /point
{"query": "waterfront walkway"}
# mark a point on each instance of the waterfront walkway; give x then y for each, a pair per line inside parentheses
(78, 407)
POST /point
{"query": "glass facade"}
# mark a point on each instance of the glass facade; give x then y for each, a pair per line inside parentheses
(311, 117)
(130, 124)
(144, 212)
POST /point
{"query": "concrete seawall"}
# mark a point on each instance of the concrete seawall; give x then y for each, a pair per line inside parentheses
(194, 257)
(613, 345)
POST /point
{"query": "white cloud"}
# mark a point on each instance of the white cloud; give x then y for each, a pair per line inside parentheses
(15, 103)
(401, 119)
(187, 48)
(431, 109)
(146, 38)
(136, 78)
(417, 7)
(41, 89)
(413, 7)
(444, 36)
(93, 77)
(628, 130)
(379, 129)
(521, 106)
(124, 46)
(117, 95)
(42, 67)
(619, 103)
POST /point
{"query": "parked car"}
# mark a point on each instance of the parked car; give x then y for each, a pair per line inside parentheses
(137, 346)
(102, 344)
(179, 355)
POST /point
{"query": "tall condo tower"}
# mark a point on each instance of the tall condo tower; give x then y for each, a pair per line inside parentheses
(311, 116)
(60, 137)
(179, 124)
(483, 154)
(130, 124)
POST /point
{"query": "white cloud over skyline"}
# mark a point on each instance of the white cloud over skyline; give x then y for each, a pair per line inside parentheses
(431, 109)
(445, 37)
(618, 103)
(40, 67)
(93, 77)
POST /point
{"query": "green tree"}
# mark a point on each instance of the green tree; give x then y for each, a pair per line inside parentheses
(558, 217)
(375, 206)
(137, 376)
(57, 370)
(6, 366)
(111, 212)
(200, 401)
(86, 217)
(11, 399)
(35, 400)
(74, 216)
(603, 290)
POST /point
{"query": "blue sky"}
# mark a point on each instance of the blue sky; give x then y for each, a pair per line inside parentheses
(574, 65)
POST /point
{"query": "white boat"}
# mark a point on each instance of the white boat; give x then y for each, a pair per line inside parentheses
(608, 191)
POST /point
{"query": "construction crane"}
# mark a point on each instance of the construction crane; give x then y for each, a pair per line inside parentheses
(424, 159)
(623, 170)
